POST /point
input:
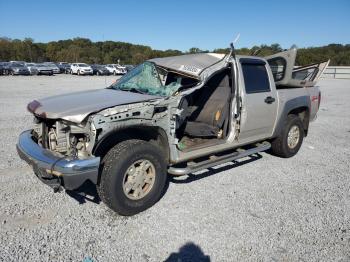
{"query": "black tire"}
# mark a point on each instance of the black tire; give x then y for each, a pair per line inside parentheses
(114, 166)
(78, 73)
(98, 73)
(12, 73)
(114, 73)
(279, 145)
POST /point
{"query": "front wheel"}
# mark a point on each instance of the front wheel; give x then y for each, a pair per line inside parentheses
(288, 143)
(133, 177)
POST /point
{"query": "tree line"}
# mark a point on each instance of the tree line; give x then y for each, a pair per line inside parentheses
(84, 50)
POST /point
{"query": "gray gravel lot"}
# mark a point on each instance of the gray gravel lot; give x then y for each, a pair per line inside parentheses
(268, 209)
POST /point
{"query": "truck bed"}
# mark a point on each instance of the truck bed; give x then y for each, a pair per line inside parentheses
(293, 94)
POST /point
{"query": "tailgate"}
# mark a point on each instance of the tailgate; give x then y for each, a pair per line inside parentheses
(315, 99)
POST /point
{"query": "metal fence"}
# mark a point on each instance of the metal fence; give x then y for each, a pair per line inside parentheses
(337, 72)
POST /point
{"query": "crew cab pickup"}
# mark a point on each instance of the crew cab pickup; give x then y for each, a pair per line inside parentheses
(174, 115)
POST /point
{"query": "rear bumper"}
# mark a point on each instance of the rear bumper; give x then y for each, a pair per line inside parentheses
(54, 170)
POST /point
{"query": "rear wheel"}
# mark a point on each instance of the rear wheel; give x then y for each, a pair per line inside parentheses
(290, 140)
(133, 177)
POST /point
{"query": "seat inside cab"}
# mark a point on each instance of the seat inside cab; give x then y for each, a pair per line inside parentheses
(205, 117)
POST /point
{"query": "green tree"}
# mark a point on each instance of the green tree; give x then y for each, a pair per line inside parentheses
(84, 50)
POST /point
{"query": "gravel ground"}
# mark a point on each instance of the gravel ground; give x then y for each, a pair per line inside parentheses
(264, 210)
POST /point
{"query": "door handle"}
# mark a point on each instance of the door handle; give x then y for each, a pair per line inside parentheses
(269, 100)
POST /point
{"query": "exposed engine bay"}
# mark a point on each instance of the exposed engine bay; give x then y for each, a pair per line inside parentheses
(64, 138)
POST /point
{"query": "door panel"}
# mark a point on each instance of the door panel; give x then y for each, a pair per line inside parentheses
(259, 102)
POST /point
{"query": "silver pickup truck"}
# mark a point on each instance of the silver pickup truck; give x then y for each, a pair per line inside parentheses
(174, 115)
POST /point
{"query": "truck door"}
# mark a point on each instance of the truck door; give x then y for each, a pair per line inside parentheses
(259, 100)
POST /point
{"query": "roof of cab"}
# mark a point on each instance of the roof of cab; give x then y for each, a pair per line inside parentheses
(191, 64)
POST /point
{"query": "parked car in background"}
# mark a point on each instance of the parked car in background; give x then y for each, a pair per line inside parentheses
(6, 67)
(99, 70)
(32, 68)
(122, 69)
(81, 69)
(18, 69)
(53, 67)
(129, 67)
(115, 70)
(64, 67)
(43, 69)
(1, 68)
(18, 62)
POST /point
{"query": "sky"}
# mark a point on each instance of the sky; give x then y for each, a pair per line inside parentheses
(180, 24)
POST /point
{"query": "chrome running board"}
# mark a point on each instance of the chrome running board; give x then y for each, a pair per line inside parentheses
(214, 160)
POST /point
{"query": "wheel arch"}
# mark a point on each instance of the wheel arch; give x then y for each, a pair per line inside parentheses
(299, 106)
(154, 135)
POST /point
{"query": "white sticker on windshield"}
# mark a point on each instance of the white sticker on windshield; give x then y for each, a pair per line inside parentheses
(190, 69)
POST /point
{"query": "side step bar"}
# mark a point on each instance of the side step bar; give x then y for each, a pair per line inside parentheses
(214, 160)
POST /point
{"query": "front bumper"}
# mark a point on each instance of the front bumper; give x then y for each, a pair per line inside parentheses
(34, 72)
(103, 73)
(23, 73)
(86, 72)
(45, 72)
(54, 170)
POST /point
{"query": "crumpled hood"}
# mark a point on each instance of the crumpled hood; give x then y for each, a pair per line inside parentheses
(75, 107)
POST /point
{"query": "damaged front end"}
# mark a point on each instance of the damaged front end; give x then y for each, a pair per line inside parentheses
(65, 138)
(60, 153)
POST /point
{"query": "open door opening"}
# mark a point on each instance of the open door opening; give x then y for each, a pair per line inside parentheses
(205, 117)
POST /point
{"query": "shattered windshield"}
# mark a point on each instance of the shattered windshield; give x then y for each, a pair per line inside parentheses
(146, 79)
